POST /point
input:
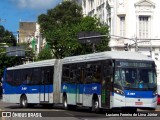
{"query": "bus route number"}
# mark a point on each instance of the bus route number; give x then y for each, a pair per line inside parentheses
(24, 88)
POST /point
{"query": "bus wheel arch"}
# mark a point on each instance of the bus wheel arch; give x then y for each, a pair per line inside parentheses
(64, 100)
(95, 103)
(23, 101)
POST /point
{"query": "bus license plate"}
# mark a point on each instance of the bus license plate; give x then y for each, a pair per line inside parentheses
(138, 103)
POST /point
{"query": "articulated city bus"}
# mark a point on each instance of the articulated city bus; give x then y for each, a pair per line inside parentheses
(113, 79)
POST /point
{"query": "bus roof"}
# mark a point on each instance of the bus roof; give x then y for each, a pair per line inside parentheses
(126, 55)
(43, 63)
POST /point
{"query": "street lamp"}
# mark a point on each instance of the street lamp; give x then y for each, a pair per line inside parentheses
(90, 37)
(126, 45)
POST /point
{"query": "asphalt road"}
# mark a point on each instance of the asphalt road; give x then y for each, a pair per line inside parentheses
(57, 113)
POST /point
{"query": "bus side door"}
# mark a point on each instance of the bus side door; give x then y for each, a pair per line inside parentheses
(106, 85)
(44, 86)
(80, 85)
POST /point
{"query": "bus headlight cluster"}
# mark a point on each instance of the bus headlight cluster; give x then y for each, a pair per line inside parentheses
(118, 91)
(155, 93)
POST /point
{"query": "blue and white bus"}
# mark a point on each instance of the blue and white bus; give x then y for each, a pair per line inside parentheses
(113, 79)
(29, 83)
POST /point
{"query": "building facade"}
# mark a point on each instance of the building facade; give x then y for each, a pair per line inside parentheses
(134, 24)
(29, 32)
(26, 31)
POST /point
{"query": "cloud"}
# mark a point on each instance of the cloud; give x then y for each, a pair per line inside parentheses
(35, 4)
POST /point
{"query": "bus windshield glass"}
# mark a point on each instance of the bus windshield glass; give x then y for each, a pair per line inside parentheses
(136, 76)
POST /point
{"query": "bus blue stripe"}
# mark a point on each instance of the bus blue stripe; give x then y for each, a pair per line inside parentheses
(81, 88)
(27, 89)
(138, 94)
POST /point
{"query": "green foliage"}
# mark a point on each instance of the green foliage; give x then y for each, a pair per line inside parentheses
(61, 25)
(29, 52)
(6, 61)
(65, 13)
(92, 24)
(8, 38)
(45, 54)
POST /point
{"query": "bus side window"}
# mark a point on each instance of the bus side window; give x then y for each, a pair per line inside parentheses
(16, 77)
(89, 73)
(97, 74)
(9, 77)
(65, 73)
(27, 79)
(35, 79)
(93, 73)
(27, 76)
(51, 70)
(82, 75)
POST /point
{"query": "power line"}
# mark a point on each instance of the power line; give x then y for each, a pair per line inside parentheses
(117, 37)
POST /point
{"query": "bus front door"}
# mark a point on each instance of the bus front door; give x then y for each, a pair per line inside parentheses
(44, 87)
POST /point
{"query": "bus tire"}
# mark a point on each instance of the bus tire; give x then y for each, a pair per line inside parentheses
(95, 105)
(23, 102)
(65, 105)
(72, 107)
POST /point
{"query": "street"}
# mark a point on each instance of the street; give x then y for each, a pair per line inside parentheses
(56, 112)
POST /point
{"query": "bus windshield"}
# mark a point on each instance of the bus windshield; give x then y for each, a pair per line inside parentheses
(135, 77)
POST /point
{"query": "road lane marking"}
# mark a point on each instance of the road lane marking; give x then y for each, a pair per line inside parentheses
(69, 114)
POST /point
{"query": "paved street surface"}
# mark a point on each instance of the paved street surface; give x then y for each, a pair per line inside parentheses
(57, 113)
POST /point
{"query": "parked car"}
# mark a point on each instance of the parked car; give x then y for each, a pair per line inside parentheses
(158, 99)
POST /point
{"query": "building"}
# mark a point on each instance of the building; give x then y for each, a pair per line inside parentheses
(29, 32)
(130, 21)
(26, 31)
(133, 24)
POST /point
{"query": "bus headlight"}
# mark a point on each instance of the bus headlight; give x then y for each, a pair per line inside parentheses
(155, 93)
(118, 91)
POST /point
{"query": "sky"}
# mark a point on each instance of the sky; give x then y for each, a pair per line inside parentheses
(14, 11)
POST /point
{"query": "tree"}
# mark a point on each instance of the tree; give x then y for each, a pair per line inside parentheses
(88, 24)
(8, 38)
(29, 52)
(45, 54)
(64, 14)
(6, 61)
(61, 25)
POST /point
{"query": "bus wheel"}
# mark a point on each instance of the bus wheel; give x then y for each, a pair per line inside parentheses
(23, 101)
(65, 105)
(95, 105)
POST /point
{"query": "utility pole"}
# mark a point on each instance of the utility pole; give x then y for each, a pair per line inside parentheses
(136, 44)
(150, 48)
